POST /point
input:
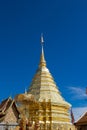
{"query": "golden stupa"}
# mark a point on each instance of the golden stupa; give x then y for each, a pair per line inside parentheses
(51, 110)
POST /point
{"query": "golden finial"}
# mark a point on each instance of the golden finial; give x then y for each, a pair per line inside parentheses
(42, 59)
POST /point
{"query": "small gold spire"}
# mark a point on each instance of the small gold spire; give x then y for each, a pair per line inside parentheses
(42, 59)
(25, 91)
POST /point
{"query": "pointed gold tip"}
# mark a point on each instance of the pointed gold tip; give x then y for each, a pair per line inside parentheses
(42, 59)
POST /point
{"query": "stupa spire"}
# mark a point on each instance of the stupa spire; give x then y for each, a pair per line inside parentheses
(52, 110)
(42, 58)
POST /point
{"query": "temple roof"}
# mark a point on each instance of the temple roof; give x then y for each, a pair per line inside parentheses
(43, 86)
(79, 113)
(5, 106)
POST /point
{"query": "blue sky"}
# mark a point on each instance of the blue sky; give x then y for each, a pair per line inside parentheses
(64, 25)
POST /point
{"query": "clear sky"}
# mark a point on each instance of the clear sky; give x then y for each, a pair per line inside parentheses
(64, 25)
